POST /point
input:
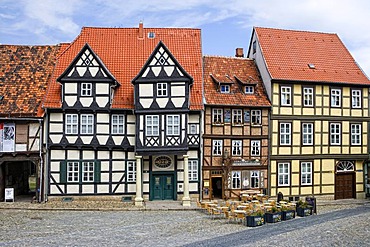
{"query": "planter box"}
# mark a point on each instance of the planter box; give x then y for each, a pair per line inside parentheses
(303, 212)
(273, 217)
(255, 220)
(288, 215)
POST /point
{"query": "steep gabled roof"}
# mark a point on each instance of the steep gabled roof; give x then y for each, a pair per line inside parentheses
(24, 74)
(124, 52)
(290, 54)
(238, 71)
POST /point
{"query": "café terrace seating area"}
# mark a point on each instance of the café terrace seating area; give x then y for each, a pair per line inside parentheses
(249, 205)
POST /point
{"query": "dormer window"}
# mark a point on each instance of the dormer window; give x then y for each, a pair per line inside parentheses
(249, 89)
(162, 89)
(151, 35)
(86, 89)
(225, 88)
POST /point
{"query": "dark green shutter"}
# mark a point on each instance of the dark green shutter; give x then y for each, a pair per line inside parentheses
(63, 172)
(97, 171)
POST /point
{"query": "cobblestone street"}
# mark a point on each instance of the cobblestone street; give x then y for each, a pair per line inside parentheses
(335, 225)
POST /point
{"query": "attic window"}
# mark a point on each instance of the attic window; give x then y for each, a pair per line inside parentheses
(225, 88)
(311, 66)
(151, 35)
(249, 89)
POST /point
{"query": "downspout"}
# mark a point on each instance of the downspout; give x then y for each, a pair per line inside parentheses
(41, 161)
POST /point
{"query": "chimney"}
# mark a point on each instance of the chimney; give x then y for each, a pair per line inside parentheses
(141, 30)
(239, 52)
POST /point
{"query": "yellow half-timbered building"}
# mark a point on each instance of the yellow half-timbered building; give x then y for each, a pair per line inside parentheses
(320, 113)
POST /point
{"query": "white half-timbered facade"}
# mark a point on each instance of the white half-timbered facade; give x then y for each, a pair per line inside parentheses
(126, 124)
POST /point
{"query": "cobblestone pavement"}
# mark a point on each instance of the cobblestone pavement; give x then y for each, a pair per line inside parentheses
(335, 225)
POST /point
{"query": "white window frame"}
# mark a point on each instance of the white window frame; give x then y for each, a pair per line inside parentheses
(86, 89)
(306, 173)
(356, 98)
(152, 125)
(335, 133)
(283, 174)
(173, 125)
(356, 134)
(237, 116)
(118, 124)
(71, 124)
(236, 179)
(162, 90)
(255, 179)
(255, 148)
(307, 134)
(225, 88)
(193, 170)
(286, 96)
(335, 97)
(285, 133)
(88, 169)
(131, 171)
(87, 124)
(236, 147)
(249, 89)
(73, 173)
(217, 147)
(217, 116)
(193, 130)
(307, 96)
(256, 117)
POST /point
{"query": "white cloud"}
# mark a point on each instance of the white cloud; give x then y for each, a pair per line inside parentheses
(39, 20)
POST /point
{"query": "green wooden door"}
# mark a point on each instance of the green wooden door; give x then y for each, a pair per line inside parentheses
(163, 186)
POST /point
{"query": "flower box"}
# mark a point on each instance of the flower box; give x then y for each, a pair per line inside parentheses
(273, 217)
(255, 220)
(288, 215)
(303, 212)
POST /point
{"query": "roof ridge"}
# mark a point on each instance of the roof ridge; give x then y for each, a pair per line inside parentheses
(229, 57)
(294, 30)
(164, 28)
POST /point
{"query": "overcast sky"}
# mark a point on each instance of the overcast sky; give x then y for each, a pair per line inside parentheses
(225, 24)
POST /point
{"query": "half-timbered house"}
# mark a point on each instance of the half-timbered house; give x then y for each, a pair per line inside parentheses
(123, 114)
(320, 113)
(24, 74)
(235, 139)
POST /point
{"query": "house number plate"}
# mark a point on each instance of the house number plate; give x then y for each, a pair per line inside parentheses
(162, 161)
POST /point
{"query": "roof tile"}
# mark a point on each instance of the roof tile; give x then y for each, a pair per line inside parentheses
(288, 54)
(224, 69)
(24, 74)
(124, 54)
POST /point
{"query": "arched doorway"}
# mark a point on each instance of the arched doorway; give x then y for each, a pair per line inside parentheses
(345, 180)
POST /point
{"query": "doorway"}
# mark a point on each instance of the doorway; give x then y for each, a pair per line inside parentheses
(162, 187)
(344, 186)
(217, 187)
(20, 175)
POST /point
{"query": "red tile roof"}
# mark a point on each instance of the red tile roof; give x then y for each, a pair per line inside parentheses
(24, 74)
(224, 69)
(287, 54)
(124, 54)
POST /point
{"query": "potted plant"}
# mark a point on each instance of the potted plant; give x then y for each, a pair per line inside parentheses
(257, 218)
(273, 215)
(303, 209)
(287, 213)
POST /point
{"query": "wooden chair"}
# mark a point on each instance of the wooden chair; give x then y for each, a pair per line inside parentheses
(216, 212)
